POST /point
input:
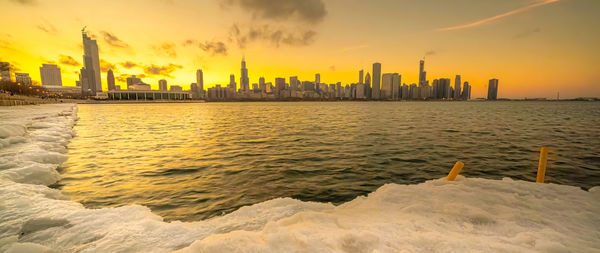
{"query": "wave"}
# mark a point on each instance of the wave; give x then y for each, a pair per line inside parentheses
(470, 214)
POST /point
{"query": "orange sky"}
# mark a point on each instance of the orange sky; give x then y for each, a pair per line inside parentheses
(535, 47)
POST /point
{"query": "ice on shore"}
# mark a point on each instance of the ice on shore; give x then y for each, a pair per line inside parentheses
(468, 215)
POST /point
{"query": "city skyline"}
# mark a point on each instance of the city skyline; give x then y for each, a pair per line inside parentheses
(533, 69)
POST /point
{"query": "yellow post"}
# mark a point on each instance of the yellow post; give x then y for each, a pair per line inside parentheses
(455, 170)
(542, 165)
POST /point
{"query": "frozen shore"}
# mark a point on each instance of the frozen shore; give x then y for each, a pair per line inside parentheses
(468, 215)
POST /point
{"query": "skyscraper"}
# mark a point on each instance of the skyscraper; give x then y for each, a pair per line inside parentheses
(244, 80)
(375, 94)
(421, 69)
(368, 86)
(360, 76)
(232, 84)
(162, 84)
(466, 92)
(5, 71)
(294, 84)
(435, 86)
(110, 80)
(90, 73)
(457, 83)
(387, 86)
(50, 75)
(199, 80)
(444, 88)
(317, 79)
(493, 89)
(262, 85)
(396, 86)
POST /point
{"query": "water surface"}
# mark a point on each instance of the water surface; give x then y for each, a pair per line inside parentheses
(195, 161)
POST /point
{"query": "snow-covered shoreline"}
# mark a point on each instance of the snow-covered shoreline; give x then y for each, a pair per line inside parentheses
(470, 214)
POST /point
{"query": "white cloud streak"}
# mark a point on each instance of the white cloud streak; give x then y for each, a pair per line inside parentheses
(503, 15)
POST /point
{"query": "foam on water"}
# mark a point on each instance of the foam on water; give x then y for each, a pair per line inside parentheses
(470, 214)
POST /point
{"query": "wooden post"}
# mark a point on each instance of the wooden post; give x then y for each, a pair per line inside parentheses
(542, 165)
(455, 170)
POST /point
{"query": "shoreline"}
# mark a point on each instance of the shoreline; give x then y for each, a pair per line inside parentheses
(24, 100)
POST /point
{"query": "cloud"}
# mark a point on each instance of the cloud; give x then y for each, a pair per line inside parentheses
(105, 66)
(274, 36)
(68, 60)
(430, 52)
(6, 45)
(113, 40)
(167, 49)
(527, 33)
(308, 11)
(332, 68)
(165, 71)
(211, 47)
(25, 2)
(128, 64)
(47, 27)
(122, 78)
(503, 15)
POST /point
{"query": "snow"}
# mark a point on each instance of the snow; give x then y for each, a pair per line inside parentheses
(467, 215)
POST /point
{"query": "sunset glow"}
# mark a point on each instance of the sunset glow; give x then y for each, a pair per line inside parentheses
(536, 48)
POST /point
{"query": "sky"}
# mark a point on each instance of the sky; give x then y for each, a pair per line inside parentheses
(536, 48)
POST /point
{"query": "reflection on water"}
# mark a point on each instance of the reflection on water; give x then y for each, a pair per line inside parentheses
(194, 161)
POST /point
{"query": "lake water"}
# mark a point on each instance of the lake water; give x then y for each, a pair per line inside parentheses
(195, 161)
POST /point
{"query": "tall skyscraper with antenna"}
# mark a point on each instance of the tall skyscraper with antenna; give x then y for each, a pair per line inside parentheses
(244, 80)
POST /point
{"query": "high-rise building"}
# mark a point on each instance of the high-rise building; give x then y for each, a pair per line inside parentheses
(110, 80)
(360, 76)
(200, 81)
(294, 84)
(23, 78)
(162, 84)
(133, 80)
(422, 74)
(376, 81)
(5, 71)
(387, 86)
(232, 84)
(90, 73)
(244, 80)
(466, 91)
(194, 89)
(457, 83)
(405, 92)
(50, 75)
(262, 85)
(396, 86)
(444, 88)
(317, 79)
(435, 86)
(493, 89)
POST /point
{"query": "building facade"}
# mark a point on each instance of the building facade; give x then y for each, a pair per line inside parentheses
(110, 80)
(23, 78)
(376, 78)
(493, 89)
(50, 75)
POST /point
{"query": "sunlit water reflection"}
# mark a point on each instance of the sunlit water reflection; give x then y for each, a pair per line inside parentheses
(194, 161)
